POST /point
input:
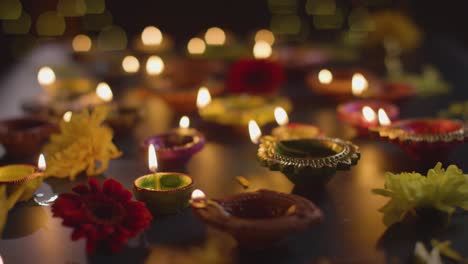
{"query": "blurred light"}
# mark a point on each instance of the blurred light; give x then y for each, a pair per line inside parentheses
(282, 6)
(104, 92)
(130, 64)
(286, 24)
(368, 114)
(151, 36)
(254, 132)
(96, 22)
(152, 159)
(154, 65)
(71, 8)
(320, 7)
(184, 122)
(281, 116)
(22, 25)
(358, 84)
(112, 38)
(383, 118)
(95, 6)
(196, 46)
(265, 35)
(329, 21)
(262, 50)
(81, 43)
(67, 116)
(46, 76)
(359, 20)
(50, 24)
(10, 9)
(197, 194)
(203, 97)
(215, 36)
(41, 163)
(325, 76)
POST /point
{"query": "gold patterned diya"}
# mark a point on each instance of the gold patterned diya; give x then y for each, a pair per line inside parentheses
(307, 161)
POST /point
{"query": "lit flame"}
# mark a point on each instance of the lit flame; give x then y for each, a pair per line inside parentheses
(104, 92)
(151, 36)
(368, 114)
(152, 159)
(154, 65)
(262, 50)
(215, 36)
(383, 118)
(265, 35)
(281, 116)
(197, 194)
(196, 46)
(67, 116)
(203, 97)
(254, 132)
(46, 76)
(358, 84)
(81, 43)
(325, 76)
(130, 64)
(41, 163)
(184, 122)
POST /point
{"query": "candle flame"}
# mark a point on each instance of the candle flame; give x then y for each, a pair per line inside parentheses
(203, 97)
(41, 163)
(197, 194)
(67, 116)
(154, 65)
(265, 35)
(184, 122)
(151, 36)
(384, 120)
(130, 64)
(196, 46)
(281, 116)
(262, 50)
(368, 114)
(46, 76)
(358, 84)
(215, 36)
(254, 131)
(325, 76)
(81, 43)
(152, 159)
(104, 92)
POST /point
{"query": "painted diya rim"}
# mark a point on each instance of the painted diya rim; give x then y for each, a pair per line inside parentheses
(238, 110)
(193, 142)
(176, 190)
(34, 173)
(20, 130)
(428, 130)
(259, 219)
(351, 112)
(296, 131)
(336, 154)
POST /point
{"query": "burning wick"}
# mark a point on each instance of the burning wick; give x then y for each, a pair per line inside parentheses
(281, 116)
(325, 76)
(368, 114)
(41, 163)
(153, 165)
(184, 122)
(383, 118)
(203, 97)
(67, 116)
(358, 84)
(199, 201)
(254, 132)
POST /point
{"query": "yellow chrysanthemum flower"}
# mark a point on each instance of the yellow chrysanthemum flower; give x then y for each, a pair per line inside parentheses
(441, 189)
(84, 144)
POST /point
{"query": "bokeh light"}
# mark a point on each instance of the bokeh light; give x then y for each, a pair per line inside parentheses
(10, 9)
(196, 46)
(262, 50)
(265, 35)
(46, 76)
(130, 64)
(22, 25)
(320, 7)
(71, 8)
(154, 65)
(359, 20)
(215, 36)
(151, 36)
(50, 24)
(96, 22)
(286, 24)
(81, 43)
(112, 38)
(95, 6)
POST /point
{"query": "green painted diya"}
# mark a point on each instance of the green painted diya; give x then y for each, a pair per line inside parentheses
(310, 161)
(164, 192)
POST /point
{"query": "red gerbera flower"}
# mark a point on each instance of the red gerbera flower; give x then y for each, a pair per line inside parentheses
(255, 77)
(107, 217)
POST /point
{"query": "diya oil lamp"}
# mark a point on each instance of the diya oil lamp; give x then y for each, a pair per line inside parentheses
(363, 114)
(163, 192)
(23, 137)
(67, 84)
(286, 130)
(257, 220)
(309, 162)
(176, 147)
(152, 40)
(427, 139)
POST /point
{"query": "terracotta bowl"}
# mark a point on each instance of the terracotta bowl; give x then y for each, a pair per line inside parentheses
(23, 137)
(261, 219)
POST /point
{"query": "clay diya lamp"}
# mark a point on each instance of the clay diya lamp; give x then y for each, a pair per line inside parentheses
(23, 137)
(163, 192)
(427, 139)
(286, 130)
(176, 147)
(362, 114)
(307, 162)
(257, 220)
